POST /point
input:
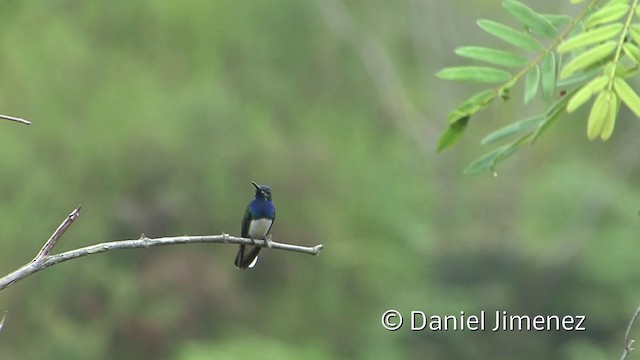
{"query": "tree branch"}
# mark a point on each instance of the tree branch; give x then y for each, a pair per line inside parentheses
(16, 119)
(628, 342)
(2, 321)
(43, 260)
(53, 240)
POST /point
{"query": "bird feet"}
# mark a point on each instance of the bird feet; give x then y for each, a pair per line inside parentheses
(268, 241)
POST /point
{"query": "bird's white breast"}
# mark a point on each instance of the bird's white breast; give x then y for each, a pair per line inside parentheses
(258, 228)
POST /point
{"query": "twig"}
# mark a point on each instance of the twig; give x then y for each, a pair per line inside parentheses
(384, 75)
(16, 119)
(628, 342)
(2, 321)
(53, 240)
(43, 260)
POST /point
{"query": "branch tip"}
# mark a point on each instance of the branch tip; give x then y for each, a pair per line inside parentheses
(628, 341)
(16, 119)
(2, 321)
(53, 240)
(75, 213)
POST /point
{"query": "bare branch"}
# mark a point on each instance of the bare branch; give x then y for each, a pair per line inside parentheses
(628, 342)
(2, 321)
(142, 243)
(53, 240)
(16, 119)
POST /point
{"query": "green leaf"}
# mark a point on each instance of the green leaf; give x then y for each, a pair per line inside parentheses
(610, 70)
(459, 117)
(497, 57)
(590, 37)
(472, 105)
(576, 1)
(513, 128)
(610, 12)
(635, 32)
(531, 82)
(610, 120)
(487, 161)
(588, 57)
(510, 35)
(627, 72)
(552, 114)
(578, 78)
(529, 18)
(627, 95)
(452, 134)
(548, 75)
(474, 73)
(632, 51)
(598, 115)
(558, 20)
(586, 92)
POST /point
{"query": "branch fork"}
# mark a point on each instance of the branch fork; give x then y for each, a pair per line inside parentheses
(53, 240)
(628, 341)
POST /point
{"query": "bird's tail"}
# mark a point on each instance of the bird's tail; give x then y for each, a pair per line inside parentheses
(247, 260)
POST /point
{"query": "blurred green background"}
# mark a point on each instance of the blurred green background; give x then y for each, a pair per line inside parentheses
(157, 115)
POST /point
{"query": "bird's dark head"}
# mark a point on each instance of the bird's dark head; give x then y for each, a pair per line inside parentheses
(262, 191)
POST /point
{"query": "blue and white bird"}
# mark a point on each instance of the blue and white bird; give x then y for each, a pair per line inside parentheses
(256, 225)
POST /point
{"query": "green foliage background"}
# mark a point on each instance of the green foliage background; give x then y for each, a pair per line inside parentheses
(156, 115)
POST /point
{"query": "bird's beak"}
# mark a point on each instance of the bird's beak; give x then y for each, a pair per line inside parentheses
(256, 185)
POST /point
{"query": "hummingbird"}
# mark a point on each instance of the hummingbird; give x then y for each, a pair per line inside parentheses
(256, 224)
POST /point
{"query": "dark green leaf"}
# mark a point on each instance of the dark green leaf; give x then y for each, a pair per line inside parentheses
(474, 73)
(552, 114)
(489, 160)
(498, 57)
(529, 18)
(513, 128)
(548, 75)
(510, 35)
(472, 105)
(578, 78)
(452, 134)
(531, 82)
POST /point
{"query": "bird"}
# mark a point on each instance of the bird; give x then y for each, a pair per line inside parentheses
(256, 225)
